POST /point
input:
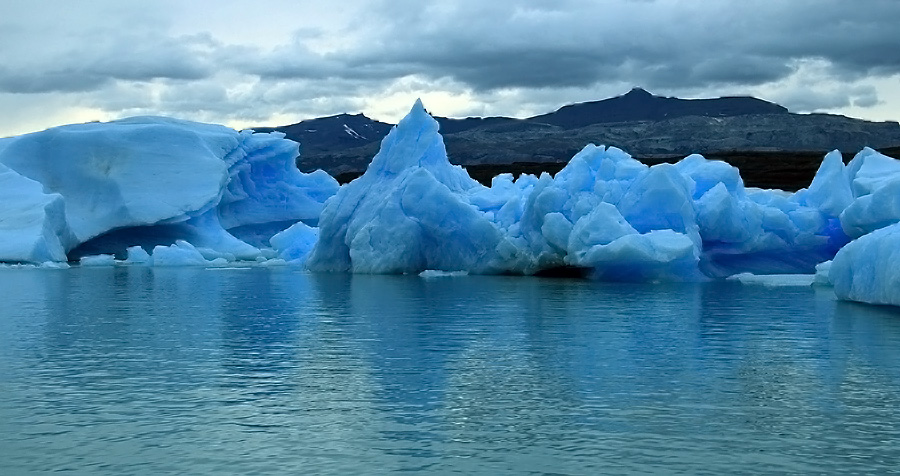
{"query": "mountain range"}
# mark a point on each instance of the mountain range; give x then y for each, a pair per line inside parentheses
(772, 146)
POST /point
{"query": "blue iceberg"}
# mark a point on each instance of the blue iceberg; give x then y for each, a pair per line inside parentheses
(151, 181)
(410, 211)
(605, 213)
(868, 269)
(166, 192)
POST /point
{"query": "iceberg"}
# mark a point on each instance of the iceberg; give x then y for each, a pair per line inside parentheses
(775, 280)
(97, 260)
(823, 270)
(137, 255)
(99, 188)
(127, 173)
(868, 269)
(164, 192)
(181, 253)
(614, 217)
(409, 212)
(605, 213)
(294, 244)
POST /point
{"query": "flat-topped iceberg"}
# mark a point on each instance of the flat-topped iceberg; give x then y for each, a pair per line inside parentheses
(151, 181)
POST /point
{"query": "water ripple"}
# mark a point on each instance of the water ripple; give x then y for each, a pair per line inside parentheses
(129, 371)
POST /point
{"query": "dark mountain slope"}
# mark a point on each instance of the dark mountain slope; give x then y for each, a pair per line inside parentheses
(639, 105)
(326, 134)
(772, 146)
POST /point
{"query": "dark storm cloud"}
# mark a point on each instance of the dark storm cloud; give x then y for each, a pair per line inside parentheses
(129, 58)
(657, 44)
(60, 80)
(151, 57)
(495, 45)
(669, 44)
(808, 99)
(857, 38)
(58, 46)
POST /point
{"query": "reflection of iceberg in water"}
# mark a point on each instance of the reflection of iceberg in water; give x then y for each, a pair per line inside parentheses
(134, 321)
(580, 352)
(406, 327)
(261, 319)
(261, 370)
(866, 330)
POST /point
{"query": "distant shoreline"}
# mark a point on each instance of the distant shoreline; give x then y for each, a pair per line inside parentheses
(783, 170)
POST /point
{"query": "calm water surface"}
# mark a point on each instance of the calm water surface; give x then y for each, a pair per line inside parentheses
(256, 371)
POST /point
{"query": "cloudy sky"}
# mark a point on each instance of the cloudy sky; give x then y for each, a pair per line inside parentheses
(276, 62)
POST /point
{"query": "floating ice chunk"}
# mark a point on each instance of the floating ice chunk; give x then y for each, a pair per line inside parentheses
(181, 253)
(295, 243)
(211, 254)
(823, 271)
(775, 280)
(267, 253)
(868, 268)
(272, 263)
(137, 255)
(97, 260)
(604, 211)
(55, 265)
(205, 231)
(434, 273)
(660, 255)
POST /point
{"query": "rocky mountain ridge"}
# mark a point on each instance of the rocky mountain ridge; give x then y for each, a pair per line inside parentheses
(651, 128)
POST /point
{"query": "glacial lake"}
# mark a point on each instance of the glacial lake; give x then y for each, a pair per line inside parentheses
(148, 371)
